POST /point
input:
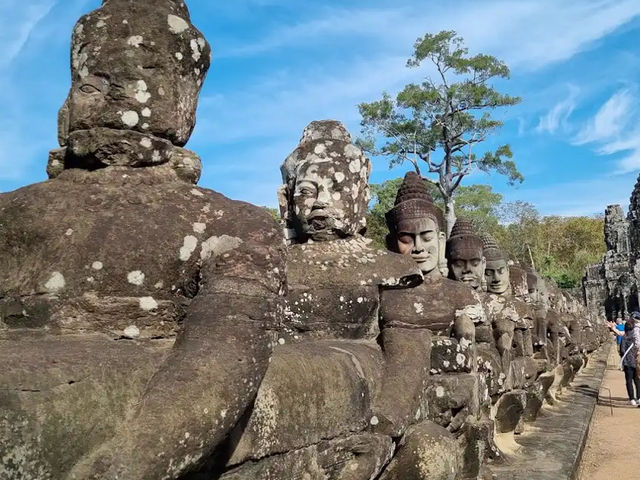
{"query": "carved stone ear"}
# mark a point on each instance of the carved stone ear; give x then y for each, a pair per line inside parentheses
(443, 266)
(283, 201)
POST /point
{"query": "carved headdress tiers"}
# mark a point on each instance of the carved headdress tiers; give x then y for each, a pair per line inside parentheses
(414, 201)
(463, 242)
(491, 250)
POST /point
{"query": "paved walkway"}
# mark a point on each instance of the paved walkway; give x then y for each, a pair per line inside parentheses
(613, 445)
(551, 447)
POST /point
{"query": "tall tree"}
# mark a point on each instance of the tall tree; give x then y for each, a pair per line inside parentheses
(448, 113)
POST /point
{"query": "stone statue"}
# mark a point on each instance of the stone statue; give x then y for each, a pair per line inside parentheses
(464, 254)
(325, 197)
(328, 365)
(445, 308)
(135, 307)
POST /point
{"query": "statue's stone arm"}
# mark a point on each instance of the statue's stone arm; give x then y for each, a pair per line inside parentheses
(211, 375)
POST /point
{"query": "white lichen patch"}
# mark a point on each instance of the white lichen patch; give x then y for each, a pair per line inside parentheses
(132, 332)
(135, 40)
(189, 246)
(146, 112)
(179, 55)
(130, 118)
(419, 308)
(55, 283)
(195, 50)
(215, 246)
(142, 95)
(197, 192)
(97, 265)
(148, 303)
(265, 418)
(146, 142)
(135, 278)
(177, 25)
(69, 232)
(439, 391)
(199, 227)
(374, 421)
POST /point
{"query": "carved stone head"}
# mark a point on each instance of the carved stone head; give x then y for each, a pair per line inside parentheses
(538, 294)
(518, 279)
(465, 255)
(326, 185)
(137, 70)
(497, 268)
(416, 226)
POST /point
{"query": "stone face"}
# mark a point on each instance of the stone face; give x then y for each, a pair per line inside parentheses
(326, 185)
(137, 70)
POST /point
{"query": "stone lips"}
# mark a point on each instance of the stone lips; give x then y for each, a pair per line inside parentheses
(414, 201)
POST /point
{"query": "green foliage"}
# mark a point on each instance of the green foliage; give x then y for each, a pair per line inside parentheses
(448, 115)
(558, 247)
(275, 213)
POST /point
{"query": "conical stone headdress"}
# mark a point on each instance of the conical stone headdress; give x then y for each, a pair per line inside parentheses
(463, 242)
(491, 250)
(414, 201)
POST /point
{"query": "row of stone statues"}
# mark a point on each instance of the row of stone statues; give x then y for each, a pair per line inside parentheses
(152, 329)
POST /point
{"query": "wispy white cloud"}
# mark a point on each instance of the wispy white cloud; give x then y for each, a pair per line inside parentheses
(17, 21)
(558, 117)
(610, 121)
(529, 34)
(614, 129)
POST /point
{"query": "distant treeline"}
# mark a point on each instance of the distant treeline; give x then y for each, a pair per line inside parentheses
(558, 247)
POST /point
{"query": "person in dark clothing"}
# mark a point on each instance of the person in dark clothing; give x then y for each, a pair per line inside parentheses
(629, 363)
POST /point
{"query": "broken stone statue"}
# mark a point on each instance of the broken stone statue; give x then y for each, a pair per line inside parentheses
(135, 307)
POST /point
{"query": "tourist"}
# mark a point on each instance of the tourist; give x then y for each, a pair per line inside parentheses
(620, 327)
(629, 363)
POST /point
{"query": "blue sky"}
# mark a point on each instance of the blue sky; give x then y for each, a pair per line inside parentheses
(279, 64)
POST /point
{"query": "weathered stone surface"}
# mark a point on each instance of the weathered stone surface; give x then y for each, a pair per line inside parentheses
(354, 457)
(406, 372)
(490, 366)
(450, 399)
(434, 305)
(178, 288)
(477, 442)
(427, 451)
(312, 391)
(60, 397)
(448, 355)
(334, 287)
(553, 449)
(508, 410)
(536, 395)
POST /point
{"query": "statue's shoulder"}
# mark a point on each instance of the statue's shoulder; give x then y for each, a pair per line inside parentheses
(459, 292)
(350, 261)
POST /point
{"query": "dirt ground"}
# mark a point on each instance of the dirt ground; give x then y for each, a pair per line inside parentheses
(613, 445)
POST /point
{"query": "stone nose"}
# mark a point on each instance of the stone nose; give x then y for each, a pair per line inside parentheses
(324, 198)
(418, 244)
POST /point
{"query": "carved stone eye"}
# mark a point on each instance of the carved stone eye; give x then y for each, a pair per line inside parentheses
(89, 89)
